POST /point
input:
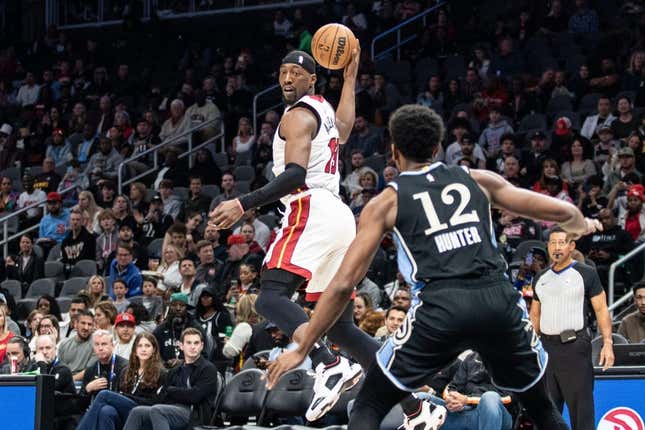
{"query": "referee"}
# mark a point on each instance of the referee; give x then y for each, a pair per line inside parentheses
(562, 294)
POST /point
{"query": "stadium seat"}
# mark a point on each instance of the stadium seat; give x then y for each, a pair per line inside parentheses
(572, 64)
(54, 253)
(271, 221)
(41, 287)
(243, 158)
(215, 420)
(589, 102)
(181, 192)
(55, 270)
(211, 191)
(534, 121)
(244, 173)
(376, 162)
(524, 247)
(243, 186)
(64, 303)
(154, 248)
(221, 159)
(13, 173)
(84, 268)
(72, 286)
(244, 394)
(454, 67)
(559, 103)
(14, 287)
(25, 306)
(290, 397)
(596, 346)
(424, 68)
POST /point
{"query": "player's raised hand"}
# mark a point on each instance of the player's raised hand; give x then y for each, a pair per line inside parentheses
(225, 214)
(351, 69)
(285, 362)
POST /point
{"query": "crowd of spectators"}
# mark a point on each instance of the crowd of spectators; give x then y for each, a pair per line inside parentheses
(550, 97)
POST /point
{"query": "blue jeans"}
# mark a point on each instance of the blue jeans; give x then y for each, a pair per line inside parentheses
(490, 414)
(108, 412)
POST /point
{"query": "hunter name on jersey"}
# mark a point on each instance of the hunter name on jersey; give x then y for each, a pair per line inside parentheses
(457, 239)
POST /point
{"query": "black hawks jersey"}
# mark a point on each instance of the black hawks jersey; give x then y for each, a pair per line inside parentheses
(443, 226)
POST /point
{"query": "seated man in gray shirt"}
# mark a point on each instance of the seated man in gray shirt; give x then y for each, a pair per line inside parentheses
(76, 352)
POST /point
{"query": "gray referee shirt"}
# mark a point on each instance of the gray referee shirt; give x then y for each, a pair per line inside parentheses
(564, 297)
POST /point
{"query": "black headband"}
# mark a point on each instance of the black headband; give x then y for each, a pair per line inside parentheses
(302, 59)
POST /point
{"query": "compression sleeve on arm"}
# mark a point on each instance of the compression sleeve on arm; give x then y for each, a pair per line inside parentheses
(287, 182)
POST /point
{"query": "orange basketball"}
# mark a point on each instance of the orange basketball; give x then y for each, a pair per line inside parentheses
(332, 46)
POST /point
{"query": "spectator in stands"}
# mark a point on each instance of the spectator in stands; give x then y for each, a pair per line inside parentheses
(107, 192)
(188, 285)
(168, 333)
(140, 253)
(432, 96)
(394, 318)
(53, 226)
(606, 246)
(29, 91)
(249, 279)
(507, 61)
(154, 223)
(281, 24)
(590, 202)
(30, 196)
(626, 168)
(104, 373)
(76, 352)
(626, 122)
(123, 212)
(467, 149)
(78, 304)
(177, 124)
(171, 202)
(208, 267)
(362, 305)
(204, 110)
(604, 117)
(245, 317)
(88, 207)
(633, 219)
(124, 329)
(363, 138)
(580, 165)
(122, 267)
(196, 201)
(584, 19)
(169, 267)
(104, 315)
(104, 163)
(59, 149)
(186, 393)
(107, 240)
(8, 197)
(140, 383)
(206, 168)
(536, 160)
(244, 141)
(49, 306)
(97, 290)
(632, 327)
(79, 244)
(489, 140)
(49, 325)
(213, 319)
(49, 363)
(31, 326)
(402, 298)
(48, 179)
(87, 144)
(5, 333)
(386, 98)
(150, 300)
(371, 322)
(228, 191)
(27, 266)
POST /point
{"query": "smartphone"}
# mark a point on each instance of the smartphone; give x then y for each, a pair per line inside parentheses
(529, 259)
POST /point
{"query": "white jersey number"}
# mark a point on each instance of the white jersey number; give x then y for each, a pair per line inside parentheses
(458, 217)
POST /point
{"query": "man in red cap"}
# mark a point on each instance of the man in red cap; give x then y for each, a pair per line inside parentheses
(124, 329)
(53, 226)
(633, 220)
(238, 254)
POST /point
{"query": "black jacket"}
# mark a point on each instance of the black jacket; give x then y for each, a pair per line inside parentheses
(168, 335)
(203, 386)
(35, 269)
(64, 389)
(92, 372)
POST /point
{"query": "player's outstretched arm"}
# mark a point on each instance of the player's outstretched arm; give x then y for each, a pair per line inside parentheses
(346, 111)
(298, 126)
(533, 205)
(377, 217)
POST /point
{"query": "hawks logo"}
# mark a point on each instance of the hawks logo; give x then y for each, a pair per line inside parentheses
(621, 419)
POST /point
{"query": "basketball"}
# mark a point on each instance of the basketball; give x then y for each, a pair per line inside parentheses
(332, 46)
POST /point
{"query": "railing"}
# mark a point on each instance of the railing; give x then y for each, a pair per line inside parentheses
(397, 29)
(612, 274)
(185, 136)
(265, 92)
(66, 15)
(14, 217)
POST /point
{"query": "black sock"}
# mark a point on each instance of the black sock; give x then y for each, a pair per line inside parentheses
(321, 354)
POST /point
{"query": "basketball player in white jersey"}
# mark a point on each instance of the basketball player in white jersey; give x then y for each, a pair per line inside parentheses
(317, 226)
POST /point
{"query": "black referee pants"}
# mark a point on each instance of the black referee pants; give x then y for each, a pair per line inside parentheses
(569, 378)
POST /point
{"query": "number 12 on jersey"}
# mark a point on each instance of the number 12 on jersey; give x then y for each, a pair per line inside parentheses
(458, 216)
(332, 164)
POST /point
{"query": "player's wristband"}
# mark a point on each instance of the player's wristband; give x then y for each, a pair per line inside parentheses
(288, 181)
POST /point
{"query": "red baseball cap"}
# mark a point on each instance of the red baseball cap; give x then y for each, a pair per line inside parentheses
(58, 131)
(562, 126)
(54, 197)
(636, 191)
(125, 317)
(235, 239)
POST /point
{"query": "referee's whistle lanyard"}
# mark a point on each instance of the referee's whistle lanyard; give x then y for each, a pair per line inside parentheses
(112, 372)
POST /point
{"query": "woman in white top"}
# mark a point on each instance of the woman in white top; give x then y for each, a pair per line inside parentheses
(87, 203)
(245, 138)
(580, 167)
(246, 316)
(169, 267)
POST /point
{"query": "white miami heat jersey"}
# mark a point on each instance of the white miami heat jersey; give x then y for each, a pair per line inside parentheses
(322, 169)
